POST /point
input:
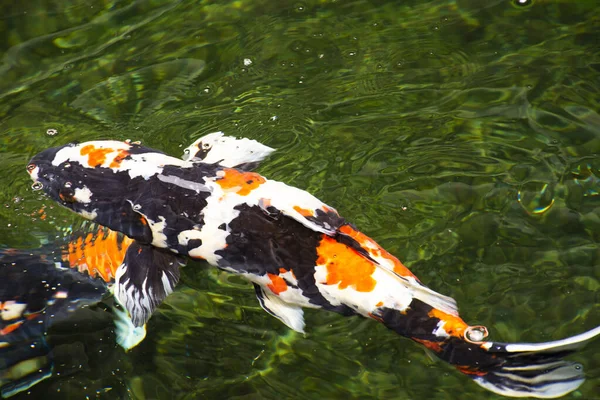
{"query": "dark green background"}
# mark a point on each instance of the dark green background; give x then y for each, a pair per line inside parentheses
(462, 135)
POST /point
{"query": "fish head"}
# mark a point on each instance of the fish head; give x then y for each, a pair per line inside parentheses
(64, 178)
(100, 180)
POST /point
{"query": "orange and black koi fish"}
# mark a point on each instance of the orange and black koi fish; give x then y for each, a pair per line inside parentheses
(297, 251)
(37, 292)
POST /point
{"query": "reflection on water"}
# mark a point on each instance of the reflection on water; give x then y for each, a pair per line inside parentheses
(461, 135)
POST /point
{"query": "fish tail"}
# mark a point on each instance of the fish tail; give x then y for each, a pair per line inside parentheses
(509, 369)
(521, 369)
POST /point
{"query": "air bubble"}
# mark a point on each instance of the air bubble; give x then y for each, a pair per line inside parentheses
(37, 186)
(51, 131)
(68, 184)
(522, 3)
(476, 333)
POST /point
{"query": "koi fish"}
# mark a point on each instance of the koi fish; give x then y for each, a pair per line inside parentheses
(37, 292)
(297, 252)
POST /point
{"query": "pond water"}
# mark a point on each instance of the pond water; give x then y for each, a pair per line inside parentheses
(462, 135)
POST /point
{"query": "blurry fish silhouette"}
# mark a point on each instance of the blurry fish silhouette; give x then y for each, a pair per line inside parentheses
(36, 292)
(297, 251)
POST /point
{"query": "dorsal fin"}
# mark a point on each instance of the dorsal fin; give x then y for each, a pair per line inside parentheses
(227, 151)
(368, 248)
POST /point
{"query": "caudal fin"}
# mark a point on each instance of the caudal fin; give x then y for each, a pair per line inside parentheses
(521, 369)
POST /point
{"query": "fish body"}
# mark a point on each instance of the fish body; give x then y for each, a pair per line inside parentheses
(297, 251)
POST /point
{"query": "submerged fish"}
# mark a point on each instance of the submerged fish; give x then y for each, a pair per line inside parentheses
(297, 251)
(36, 292)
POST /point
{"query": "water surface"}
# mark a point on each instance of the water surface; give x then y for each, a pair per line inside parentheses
(462, 135)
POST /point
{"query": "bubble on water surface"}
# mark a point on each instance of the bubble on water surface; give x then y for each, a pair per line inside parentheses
(51, 132)
(536, 197)
(522, 3)
(476, 333)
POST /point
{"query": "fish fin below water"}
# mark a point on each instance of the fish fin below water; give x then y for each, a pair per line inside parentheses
(23, 365)
(534, 369)
(292, 316)
(128, 335)
(432, 298)
(227, 151)
(542, 379)
(146, 277)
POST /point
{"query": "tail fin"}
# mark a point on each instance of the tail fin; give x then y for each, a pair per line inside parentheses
(510, 369)
(532, 369)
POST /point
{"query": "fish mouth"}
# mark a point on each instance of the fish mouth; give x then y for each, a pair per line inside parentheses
(40, 178)
(33, 170)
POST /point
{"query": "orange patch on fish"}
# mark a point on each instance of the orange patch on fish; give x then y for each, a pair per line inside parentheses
(467, 370)
(305, 212)
(277, 284)
(241, 182)
(376, 250)
(379, 304)
(10, 328)
(100, 253)
(96, 156)
(435, 346)
(121, 155)
(454, 326)
(345, 267)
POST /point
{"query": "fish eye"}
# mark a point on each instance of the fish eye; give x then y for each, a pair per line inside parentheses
(206, 145)
(31, 167)
(37, 186)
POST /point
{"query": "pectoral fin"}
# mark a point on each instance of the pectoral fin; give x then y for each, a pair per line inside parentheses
(128, 335)
(146, 277)
(292, 316)
(227, 151)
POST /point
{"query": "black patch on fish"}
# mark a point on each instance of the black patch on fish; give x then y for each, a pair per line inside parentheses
(249, 166)
(194, 243)
(272, 212)
(414, 322)
(353, 244)
(223, 227)
(139, 149)
(261, 244)
(327, 219)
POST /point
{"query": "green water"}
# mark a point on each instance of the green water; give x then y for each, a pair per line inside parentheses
(462, 135)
